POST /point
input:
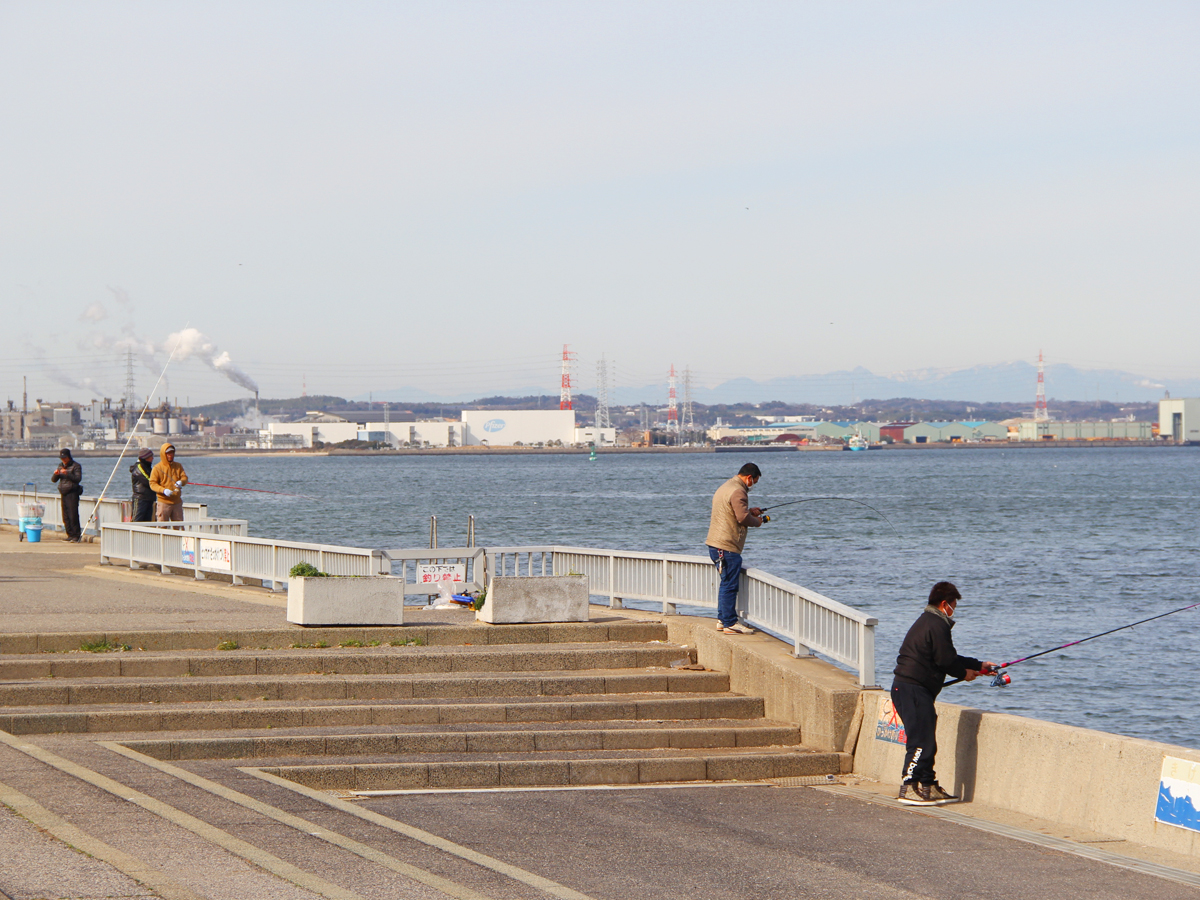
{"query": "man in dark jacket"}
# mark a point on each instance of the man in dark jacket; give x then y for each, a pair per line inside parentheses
(69, 474)
(926, 657)
(143, 494)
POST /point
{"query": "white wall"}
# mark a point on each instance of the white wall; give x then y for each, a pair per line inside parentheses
(504, 427)
(600, 436)
(1190, 410)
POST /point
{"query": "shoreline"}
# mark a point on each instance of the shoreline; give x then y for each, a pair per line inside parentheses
(609, 451)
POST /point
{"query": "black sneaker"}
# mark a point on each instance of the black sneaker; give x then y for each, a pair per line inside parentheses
(916, 795)
(940, 795)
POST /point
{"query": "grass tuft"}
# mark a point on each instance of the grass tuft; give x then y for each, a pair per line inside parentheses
(411, 642)
(102, 646)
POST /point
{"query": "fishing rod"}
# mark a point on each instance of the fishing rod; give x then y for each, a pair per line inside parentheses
(230, 487)
(132, 431)
(844, 499)
(1002, 678)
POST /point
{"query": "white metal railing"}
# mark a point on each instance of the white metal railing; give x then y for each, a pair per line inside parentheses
(405, 562)
(110, 509)
(221, 546)
(810, 621)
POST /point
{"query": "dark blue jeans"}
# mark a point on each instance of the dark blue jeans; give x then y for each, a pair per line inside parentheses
(915, 706)
(730, 566)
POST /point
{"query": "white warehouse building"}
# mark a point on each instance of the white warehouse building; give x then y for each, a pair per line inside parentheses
(511, 427)
(1179, 419)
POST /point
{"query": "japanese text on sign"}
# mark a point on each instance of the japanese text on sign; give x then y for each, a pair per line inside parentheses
(433, 573)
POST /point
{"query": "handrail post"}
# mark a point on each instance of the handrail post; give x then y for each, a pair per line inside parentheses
(866, 654)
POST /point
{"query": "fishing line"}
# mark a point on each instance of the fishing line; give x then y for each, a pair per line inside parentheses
(230, 487)
(843, 499)
(1075, 643)
(133, 430)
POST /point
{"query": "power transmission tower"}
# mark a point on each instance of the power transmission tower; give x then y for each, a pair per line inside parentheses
(130, 399)
(672, 405)
(564, 397)
(602, 393)
(1040, 413)
(689, 418)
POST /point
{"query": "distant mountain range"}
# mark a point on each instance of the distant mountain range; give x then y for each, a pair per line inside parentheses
(1008, 382)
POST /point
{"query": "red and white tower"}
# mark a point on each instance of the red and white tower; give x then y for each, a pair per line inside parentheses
(568, 360)
(1040, 413)
(672, 404)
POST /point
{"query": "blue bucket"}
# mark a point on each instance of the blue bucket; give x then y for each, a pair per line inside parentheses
(33, 533)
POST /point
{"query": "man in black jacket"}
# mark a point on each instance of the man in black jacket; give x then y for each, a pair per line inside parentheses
(926, 657)
(69, 474)
(143, 494)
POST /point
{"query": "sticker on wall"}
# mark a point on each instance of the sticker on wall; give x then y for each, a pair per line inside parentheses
(1179, 793)
(889, 727)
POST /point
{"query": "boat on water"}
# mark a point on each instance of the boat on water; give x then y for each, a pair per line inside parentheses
(857, 442)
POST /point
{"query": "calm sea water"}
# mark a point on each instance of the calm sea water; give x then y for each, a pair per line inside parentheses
(1046, 545)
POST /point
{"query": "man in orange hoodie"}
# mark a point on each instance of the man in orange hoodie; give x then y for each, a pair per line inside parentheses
(167, 479)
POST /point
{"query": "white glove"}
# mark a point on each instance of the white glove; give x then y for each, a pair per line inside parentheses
(178, 485)
(167, 492)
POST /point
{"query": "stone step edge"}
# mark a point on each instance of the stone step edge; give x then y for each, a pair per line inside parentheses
(397, 714)
(432, 662)
(470, 742)
(282, 638)
(360, 687)
(547, 773)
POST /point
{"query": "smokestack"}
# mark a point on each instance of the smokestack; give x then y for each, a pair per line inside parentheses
(257, 414)
(24, 395)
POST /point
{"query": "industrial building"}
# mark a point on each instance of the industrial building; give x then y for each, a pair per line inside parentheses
(1120, 430)
(1179, 420)
(478, 428)
(518, 427)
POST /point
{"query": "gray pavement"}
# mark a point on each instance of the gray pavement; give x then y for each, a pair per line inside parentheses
(718, 842)
(34, 865)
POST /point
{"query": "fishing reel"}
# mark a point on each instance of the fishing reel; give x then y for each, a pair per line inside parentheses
(1001, 679)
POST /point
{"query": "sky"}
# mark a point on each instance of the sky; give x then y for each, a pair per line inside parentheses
(363, 198)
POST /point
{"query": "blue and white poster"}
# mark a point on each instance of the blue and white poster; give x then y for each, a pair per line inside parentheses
(1179, 793)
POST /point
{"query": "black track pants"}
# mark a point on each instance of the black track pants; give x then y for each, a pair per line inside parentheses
(915, 707)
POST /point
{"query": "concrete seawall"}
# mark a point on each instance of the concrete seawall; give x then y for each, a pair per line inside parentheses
(1072, 776)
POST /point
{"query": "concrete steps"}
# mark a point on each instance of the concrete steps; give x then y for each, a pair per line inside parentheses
(234, 716)
(562, 770)
(356, 661)
(128, 690)
(450, 706)
(612, 736)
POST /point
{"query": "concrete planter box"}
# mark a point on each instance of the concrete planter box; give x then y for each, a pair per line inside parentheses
(513, 600)
(346, 600)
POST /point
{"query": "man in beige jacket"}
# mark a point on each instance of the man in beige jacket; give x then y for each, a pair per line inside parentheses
(732, 515)
(167, 480)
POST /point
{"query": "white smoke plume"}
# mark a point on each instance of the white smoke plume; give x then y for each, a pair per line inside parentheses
(57, 374)
(94, 313)
(191, 342)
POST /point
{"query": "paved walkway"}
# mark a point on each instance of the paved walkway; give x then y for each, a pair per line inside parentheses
(719, 842)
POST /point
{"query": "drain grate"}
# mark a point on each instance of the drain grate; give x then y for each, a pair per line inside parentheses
(804, 780)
